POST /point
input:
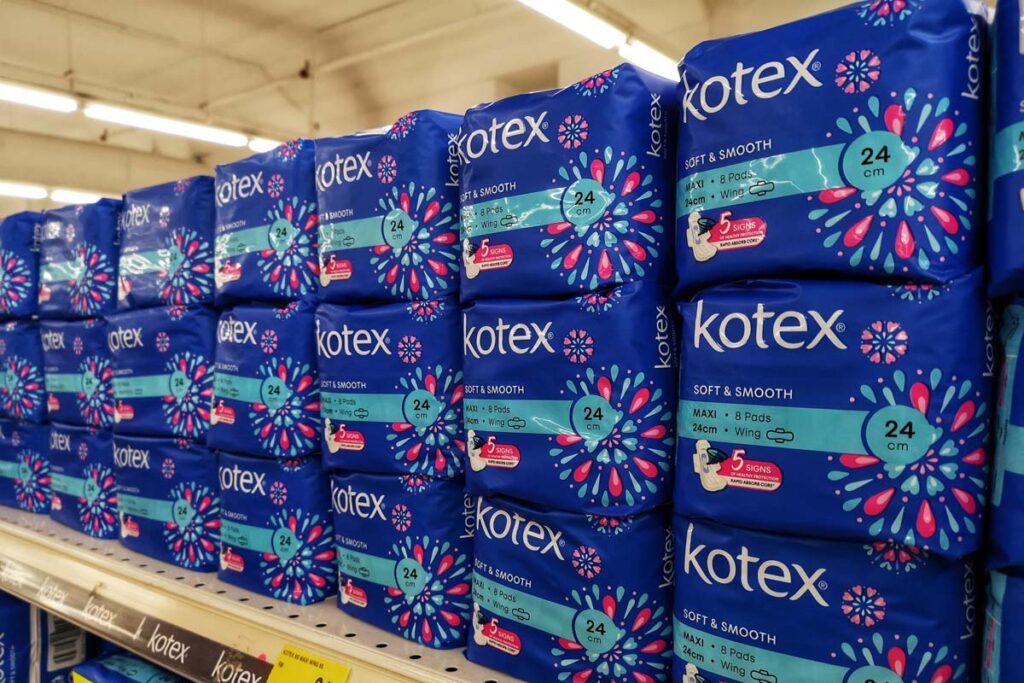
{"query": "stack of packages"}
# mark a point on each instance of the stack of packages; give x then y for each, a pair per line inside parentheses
(275, 510)
(391, 383)
(161, 348)
(24, 457)
(1004, 624)
(77, 289)
(833, 425)
(38, 647)
(570, 363)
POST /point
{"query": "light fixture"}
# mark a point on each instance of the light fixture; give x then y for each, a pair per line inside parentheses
(263, 144)
(66, 196)
(22, 190)
(582, 21)
(41, 99)
(646, 57)
(162, 124)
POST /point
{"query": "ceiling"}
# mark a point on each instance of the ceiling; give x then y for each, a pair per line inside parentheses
(286, 68)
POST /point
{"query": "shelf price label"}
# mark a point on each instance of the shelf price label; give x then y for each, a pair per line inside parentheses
(297, 666)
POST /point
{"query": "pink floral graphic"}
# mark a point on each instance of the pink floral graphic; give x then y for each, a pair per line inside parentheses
(573, 131)
(884, 342)
(858, 71)
(863, 606)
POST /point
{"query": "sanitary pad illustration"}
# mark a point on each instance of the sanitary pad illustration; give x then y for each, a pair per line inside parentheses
(84, 480)
(19, 264)
(25, 466)
(22, 383)
(78, 372)
(389, 211)
(166, 254)
(569, 191)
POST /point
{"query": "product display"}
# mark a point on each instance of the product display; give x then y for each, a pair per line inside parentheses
(266, 396)
(846, 143)
(25, 481)
(266, 227)
(1007, 532)
(22, 385)
(391, 387)
(567, 597)
(757, 607)
(122, 668)
(19, 264)
(405, 554)
(571, 404)
(36, 647)
(168, 500)
(78, 372)
(1004, 630)
(568, 191)
(83, 480)
(389, 211)
(276, 531)
(166, 254)
(163, 370)
(78, 260)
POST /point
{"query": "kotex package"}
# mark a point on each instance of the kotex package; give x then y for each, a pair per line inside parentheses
(25, 466)
(405, 554)
(569, 191)
(163, 370)
(22, 382)
(276, 533)
(846, 410)
(168, 500)
(389, 211)
(561, 597)
(1004, 630)
(571, 404)
(84, 480)
(78, 372)
(37, 647)
(846, 143)
(266, 227)
(78, 260)
(752, 607)
(166, 254)
(391, 387)
(266, 396)
(19, 264)
(1006, 535)
(122, 668)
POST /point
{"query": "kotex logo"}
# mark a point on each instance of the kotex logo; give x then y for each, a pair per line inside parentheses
(349, 501)
(241, 480)
(52, 341)
(500, 136)
(763, 82)
(131, 457)
(236, 188)
(791, 330)
(351, 342)
(124, 338)
(504, 338)
(518, 530)
(135, 216)
(343, 169)
(234, 331)
(59, 441)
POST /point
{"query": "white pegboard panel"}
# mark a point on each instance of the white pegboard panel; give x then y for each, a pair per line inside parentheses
(127, 597)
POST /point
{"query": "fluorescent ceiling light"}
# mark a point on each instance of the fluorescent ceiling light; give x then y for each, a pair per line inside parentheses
(161, 124)
(41, 99)
(22, 190)
(582, 21)
(263, 144)
(646, 57)
(65, 196)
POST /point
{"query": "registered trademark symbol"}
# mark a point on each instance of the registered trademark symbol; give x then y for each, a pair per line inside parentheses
(544, 125)
(841, 327)
(561, 543)
(816, 66)
(551, 335)
(823, 585)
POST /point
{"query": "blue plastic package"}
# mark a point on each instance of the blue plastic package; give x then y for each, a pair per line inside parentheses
(25, 466)
(276, 533)
(571, 404)
(389, 208)
(163, 371)
(1006, 536)
(19, 264)
(266, 395)
(266, 228)
(847, 410)
(560, 597)
(22, 382)
(405, 554)
(78, 372)
(168, 500)
(391, 387)
(844, 143)
(1004, 630)
(753, 608)
(167, 245)
(83, 480)
(122, 668)
(569, 191)
(37, 647)
(78, 260)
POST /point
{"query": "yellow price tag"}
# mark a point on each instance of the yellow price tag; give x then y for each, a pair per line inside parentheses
(296, 666)
(79, 678)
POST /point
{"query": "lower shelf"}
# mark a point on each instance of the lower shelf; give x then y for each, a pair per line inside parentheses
(194, 624)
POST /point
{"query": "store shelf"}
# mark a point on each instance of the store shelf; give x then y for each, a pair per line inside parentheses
(127, 598)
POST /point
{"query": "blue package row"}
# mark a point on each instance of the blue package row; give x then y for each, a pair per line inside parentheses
(78, 372)
(19, 264)
(84, 480)
(37, 647)
(25, 481)
(22, 378)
